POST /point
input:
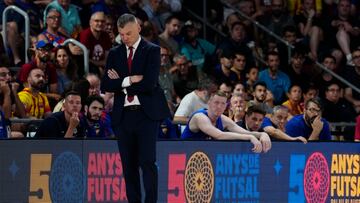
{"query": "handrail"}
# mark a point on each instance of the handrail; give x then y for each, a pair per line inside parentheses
(204, 21)
(85, 52)
(338, 77)
(27, 28)
(257, 24)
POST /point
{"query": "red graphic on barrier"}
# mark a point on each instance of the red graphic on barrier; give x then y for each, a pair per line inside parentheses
(177, 164)
(316, 178)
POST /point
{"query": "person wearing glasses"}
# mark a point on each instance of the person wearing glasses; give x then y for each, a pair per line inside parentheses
(310, 124)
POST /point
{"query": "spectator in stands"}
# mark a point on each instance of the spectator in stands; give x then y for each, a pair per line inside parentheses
(42, 61)
(195, 100)
(172, 28)
(237, 43)
(94, 81)
(248, 8)
(64, 124)
(275, 125)
(70, 20)
(211, 124)
(109, 28)
(184, 76)
(133, 7)
(252, 76)
(5, 109)
(295, 70)
(195, 48)
(289, 34)
(97, 41)
(157, 15)
(309, 25)
(239, 88)
(345, 29)
(338, 109)
(309, 125)
(52, 33)
(17, 108)
(294, 101)
(66, 69)
(277, 18)
(238, 68)
(309, 92)
(352, 74)
(276, 80)
(237, 108)
(259, 96)
(226, 88)
(95, 122)
(323, 80)
(35, 102)
(222, 71)
(165, 78)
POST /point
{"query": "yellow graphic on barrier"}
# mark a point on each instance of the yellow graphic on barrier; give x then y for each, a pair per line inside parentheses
(199, 179)
(39, 178)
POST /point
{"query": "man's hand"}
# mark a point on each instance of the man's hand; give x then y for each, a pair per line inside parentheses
(14, 87)
(136, 78)
(4, 88)
(112, 74)
(317, 124)
(74, 120)
(257, 145)
(265, 141)
(300, 138)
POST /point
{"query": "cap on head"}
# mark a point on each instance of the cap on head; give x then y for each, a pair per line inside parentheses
(42, 44)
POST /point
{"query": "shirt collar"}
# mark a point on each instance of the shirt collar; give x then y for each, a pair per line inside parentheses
(135, 45)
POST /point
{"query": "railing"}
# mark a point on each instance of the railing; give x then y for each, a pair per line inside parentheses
(338, 77)
(27, 28)
(205, 23)
(85, 52)
(263, 28)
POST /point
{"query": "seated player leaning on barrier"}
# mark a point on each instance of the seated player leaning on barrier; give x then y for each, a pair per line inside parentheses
(310, 124)
(64, 124)
(275, 125)
(211, 123)
(96, 122)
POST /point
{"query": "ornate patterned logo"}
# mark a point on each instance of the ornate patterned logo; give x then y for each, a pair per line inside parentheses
(67, 179)
(199, 179)
(316, 178)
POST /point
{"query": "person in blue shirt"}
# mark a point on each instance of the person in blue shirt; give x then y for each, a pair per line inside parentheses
(276, 80)
(310, 124)
(96, 121)
(212, 124)
(275, 125)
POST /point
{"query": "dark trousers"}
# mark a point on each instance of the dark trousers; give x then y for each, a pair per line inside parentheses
(137, 145)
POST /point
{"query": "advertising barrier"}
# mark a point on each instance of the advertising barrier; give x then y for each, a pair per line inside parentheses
(75, 171)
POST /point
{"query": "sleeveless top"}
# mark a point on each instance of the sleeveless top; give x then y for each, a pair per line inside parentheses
(188, 134)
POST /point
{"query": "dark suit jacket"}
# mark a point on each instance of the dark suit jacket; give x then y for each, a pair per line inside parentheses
(146, 62)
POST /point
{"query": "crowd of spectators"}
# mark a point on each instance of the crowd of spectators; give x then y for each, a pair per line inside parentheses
(266, 90)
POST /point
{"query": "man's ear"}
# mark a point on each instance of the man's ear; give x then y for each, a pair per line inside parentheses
(86, 108)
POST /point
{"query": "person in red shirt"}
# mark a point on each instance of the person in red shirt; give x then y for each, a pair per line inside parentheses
(98, 42)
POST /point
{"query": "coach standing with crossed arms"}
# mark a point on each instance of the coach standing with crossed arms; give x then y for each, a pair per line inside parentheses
(132, 71)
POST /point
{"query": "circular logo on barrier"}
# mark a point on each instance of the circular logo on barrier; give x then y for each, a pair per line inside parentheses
(316, 178)
(199, 179)
(67, 179)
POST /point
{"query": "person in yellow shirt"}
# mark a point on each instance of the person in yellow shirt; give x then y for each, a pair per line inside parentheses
(35, 102)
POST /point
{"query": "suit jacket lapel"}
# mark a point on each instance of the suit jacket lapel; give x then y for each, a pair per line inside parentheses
(137, 57)
(123, 60)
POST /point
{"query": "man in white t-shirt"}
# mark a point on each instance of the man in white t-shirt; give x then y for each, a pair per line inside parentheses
(195, 100)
